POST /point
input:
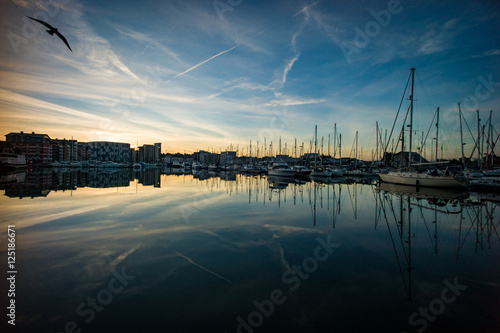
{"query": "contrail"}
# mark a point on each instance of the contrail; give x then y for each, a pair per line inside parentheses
(306, 8)
(198, 265)
(203, 62)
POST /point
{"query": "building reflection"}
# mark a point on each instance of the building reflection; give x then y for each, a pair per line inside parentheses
(40, 182)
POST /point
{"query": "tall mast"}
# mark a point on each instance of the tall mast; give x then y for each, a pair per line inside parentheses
(295, 148)
(334, 142)
(376, 135)
(315, 144)
(356, 155)
(479, 157)
(340, 149)
(329, 145)
(411, 114)
(437, 133)
(402, 146)
(265, 147)
(461, 135)
(489, 143)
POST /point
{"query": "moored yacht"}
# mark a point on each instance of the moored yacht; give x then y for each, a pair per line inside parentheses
(408, 177)
(281, 169)
(321, 172)
(336, 172)
(301, 171)
(420, 179)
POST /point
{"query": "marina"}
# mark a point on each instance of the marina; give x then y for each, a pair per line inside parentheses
(250, 167)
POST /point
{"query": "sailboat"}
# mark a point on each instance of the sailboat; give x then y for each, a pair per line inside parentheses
(318, 171)
(336, 172)
(408, 177)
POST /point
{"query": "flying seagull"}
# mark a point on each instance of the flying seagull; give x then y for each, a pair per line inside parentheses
(53, 31)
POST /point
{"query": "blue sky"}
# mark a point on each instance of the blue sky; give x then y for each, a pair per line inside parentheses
(210, 74)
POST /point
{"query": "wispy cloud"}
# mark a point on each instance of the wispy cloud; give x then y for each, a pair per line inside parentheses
(288, 68)
(290, 101)
(488, 53)
(37, 104)
(148, 40)
(438, 37)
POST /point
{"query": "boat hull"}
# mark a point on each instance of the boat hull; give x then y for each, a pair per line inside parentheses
(487, 184)
(337, 172)
(282, 172)
(409, 178)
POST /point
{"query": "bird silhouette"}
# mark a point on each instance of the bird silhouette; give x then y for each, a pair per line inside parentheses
(53, 31)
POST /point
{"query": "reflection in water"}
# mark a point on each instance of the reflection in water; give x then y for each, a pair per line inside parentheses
(204, 247)
(39, 182)
(402, 208)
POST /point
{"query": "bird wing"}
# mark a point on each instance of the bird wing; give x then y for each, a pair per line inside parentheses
(64, 40)
(42, 22)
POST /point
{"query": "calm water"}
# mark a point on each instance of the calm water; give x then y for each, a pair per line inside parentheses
(125, 251)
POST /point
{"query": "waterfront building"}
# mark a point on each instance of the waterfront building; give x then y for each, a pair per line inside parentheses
(157, 153)
(82, 151)
(105, 151)
(64, 150)
(227, 157)
(203, 157)
(36, 147)
(134, 155)
(147, 154)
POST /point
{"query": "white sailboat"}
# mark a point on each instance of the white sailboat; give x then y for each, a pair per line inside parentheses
(409, 177)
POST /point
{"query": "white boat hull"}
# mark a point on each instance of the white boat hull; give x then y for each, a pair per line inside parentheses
(416, 179)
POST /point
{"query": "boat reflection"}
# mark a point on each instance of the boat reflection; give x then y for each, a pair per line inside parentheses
(411, 213)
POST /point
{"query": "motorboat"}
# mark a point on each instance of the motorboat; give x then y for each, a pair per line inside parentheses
(301, 171)
(281, 169)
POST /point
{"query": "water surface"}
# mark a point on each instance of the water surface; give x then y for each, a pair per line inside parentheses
(125, 251)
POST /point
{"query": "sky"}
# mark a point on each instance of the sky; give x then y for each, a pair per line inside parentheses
(215, 75)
